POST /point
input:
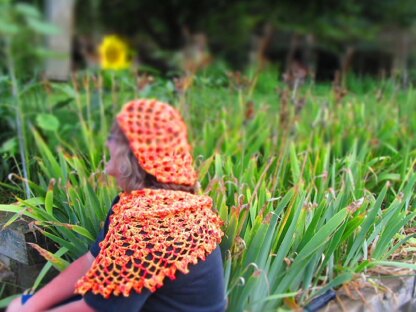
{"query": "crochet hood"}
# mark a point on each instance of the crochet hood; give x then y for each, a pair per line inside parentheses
(158, 137)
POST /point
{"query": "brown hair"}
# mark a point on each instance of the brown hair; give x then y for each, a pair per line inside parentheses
(132, 173)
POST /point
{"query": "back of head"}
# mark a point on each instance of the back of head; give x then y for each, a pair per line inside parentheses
(153, 148)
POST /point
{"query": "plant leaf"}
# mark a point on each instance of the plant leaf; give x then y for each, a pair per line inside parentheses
(42, 27)
(47, 122)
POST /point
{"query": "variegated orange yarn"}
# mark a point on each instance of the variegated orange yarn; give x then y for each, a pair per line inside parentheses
(158, 138)
(152, 234)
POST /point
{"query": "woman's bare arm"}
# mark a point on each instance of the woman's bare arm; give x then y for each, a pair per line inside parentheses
(61, 287)
(78, 306)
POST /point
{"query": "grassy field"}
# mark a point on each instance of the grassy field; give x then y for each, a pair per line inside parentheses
(315, 183)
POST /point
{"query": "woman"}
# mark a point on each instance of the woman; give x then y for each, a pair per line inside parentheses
(158, 250)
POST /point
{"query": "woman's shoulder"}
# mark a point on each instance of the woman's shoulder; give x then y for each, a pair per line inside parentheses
(202, 289)
(204, 271)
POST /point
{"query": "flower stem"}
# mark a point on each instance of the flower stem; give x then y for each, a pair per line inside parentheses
(18, 110)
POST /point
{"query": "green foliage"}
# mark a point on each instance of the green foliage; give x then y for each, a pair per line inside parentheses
(310, 196)
(22, 31)
(47, 122)
(22, 28)
(333, 24)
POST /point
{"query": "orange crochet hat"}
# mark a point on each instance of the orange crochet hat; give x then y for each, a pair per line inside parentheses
(158, 138)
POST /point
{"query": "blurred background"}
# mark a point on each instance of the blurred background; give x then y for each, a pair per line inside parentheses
(313, 38)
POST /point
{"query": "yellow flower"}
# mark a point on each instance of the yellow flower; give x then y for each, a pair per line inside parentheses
(114, 53)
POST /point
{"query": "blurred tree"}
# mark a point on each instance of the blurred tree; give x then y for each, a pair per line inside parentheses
(342, 26)
(22, 29)
(166, 27)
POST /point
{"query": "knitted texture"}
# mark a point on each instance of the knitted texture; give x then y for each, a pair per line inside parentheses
(158, 138)
(152, 234)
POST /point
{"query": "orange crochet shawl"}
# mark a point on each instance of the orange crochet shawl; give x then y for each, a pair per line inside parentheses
(152, 234)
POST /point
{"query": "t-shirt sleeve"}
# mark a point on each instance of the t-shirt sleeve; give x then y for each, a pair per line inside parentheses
(95, 247)
(133, 303)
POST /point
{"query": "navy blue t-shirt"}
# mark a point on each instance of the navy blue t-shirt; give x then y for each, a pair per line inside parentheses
(201, 290)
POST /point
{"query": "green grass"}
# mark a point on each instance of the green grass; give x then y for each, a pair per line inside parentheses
(313, 190)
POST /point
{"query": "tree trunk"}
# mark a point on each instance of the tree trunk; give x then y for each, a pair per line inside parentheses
(265, 42)
(294, 43)
(61, 14)
(309, 55)
(346, 61)
(401, 56)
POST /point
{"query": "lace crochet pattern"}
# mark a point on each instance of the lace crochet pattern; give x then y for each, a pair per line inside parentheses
(152, 234)
(158, 138)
